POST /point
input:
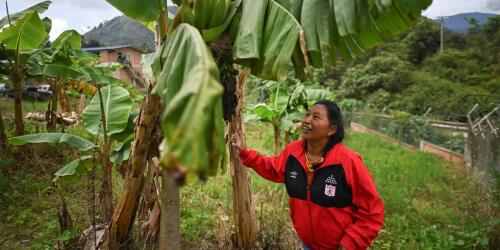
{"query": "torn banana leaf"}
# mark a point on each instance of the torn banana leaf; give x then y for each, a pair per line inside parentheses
(188, 83)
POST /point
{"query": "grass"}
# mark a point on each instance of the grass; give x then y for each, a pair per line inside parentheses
(429, 204)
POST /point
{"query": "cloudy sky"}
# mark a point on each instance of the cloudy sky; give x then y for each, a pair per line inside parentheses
(82, 15)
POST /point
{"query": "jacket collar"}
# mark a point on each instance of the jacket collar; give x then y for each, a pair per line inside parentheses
(331, 158)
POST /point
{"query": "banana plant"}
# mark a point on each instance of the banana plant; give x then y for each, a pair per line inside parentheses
(58, 65)
(108, 116)
(263, 35)
(21, 34)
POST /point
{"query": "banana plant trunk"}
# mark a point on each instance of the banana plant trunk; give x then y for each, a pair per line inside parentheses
(52, 123)
(170, 215)
(277, 137)
(65, 107)
(106, 192)
(3, 137)
(18, 104)
(126, 207)
(243, 207)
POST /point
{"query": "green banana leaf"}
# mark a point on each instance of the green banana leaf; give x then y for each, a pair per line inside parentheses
(72, 167)
(27, 33)
(141, 10)
(39, 7)
(211, 17)
(54, 71)
(279, 99)
(99, 76)
(269, 49)
(117, 104)
(53, 139)
(122, 151)
(188, 82)
(70, 37)
(264, 112)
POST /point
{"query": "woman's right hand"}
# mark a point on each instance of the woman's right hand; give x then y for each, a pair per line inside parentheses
(237, 142)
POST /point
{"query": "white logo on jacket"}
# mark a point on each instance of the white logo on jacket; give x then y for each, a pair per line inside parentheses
(293, 174)
(330, 190)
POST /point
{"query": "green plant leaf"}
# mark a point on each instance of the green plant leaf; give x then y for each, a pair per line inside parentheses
(54, 71)
(188, 82)
(264, 112)
(279, 99)
(72, 167)
(27, 33)
(117, 104)
(141, 10)
(53, 139)
(267, 44)
(39, 7)
(122, 152)
(70, 37)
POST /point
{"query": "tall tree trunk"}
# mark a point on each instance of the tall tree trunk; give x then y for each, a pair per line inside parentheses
(170, 215)
(18, 106)
(126, 207)
(81, 106)
(4, 146)
(146, 125)
(65, 107)
(52, 123)
(106, 192)
(243, 206)
(277, 137)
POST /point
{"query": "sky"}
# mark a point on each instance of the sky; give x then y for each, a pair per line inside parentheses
(82, 15)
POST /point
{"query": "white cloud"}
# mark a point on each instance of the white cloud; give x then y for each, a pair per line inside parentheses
(58, 26)
(493, 5)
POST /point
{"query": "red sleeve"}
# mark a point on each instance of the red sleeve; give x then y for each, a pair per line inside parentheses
(270, 168)
(369, 209)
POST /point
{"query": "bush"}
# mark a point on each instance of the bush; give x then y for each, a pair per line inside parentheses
(448, 100)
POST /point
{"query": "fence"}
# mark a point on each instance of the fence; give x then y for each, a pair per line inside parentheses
(475, 144)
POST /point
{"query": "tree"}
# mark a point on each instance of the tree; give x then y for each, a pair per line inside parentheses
(423, 40)
(25, 34)
(264, 36)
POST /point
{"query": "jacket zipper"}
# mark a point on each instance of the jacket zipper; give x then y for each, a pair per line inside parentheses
(309, 206)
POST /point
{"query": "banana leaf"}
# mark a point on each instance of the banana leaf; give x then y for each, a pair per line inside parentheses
(188, 82)
(27, 33)
(141, 10)
(53, 139)
(117, 104)
(39, 7)
(73, 167)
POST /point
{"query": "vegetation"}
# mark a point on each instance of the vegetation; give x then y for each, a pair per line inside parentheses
(203, 57)
(417, 189)
(410, 74)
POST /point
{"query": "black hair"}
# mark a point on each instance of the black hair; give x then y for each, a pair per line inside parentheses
(335, 119)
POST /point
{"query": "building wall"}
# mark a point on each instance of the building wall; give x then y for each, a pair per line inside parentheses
(133, 56)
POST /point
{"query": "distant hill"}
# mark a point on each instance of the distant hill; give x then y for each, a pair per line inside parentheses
(458, 23)
(120, 30)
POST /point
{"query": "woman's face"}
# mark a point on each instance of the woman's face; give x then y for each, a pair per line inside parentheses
(315, 125)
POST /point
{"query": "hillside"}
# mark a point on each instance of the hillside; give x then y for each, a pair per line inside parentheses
(458, 23)
(120, 30)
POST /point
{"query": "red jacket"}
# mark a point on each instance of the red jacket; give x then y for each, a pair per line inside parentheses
(341, 205)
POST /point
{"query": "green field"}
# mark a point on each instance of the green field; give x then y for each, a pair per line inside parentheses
(429, 204)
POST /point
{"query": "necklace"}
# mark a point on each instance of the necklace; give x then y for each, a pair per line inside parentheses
(310, 164)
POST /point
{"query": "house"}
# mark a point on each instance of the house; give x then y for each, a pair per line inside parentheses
(128, 55)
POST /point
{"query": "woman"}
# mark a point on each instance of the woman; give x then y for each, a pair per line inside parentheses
(333, 200)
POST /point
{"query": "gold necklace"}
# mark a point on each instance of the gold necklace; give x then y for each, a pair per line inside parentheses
(310, 164)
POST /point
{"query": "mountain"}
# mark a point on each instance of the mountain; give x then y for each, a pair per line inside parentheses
(120, 30)
(458, 23)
